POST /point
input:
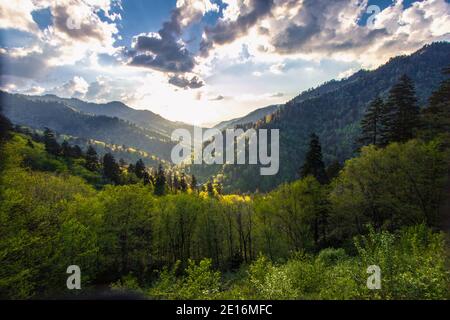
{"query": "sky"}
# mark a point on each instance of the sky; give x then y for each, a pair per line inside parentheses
(204, 61)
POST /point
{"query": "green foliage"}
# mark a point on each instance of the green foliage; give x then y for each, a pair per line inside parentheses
(204, 246)
(389, 188)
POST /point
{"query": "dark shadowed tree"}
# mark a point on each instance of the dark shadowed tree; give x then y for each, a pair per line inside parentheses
(183, 183)
(92, 162)
(139, 169)
(77, 152)
(194, 184)
(51, 145)
(66, 150)
(160, 181)
(111, 169)
(401, 116)
(333, 170)
(371, 124)
(436, 117)
(314, 165)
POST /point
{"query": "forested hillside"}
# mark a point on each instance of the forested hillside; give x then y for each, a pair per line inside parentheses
(160, 235)
(333, 111)
(142, 118)
(63, 119)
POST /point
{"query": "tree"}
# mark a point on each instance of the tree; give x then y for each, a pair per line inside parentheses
(175, 183)
(5, 126)
(92, 162)
(401, 117)
(436, 117)
(314, 165)
(183, 183)
(66, 150)
(194, 186)
(333, 170)
(139, 169)
(111, 169)
(77, 152)
(160, 181)
(210, 188)
(371, 123)
(51, 145)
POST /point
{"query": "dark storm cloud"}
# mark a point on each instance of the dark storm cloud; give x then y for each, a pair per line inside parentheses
(184, 82)
(162, 51)
(227, 31)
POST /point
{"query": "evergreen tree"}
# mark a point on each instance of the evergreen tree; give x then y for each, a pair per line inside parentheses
(51, 145)
(111, 169)
(66, 150)
(194, 184)
(77, 152)
(371, 123)
(176, 183)
(131, 169)
(139, 169)
(5, 126)
(146, 178)
(314, 165)
(436, 117)
(210, 188)
(333, 170)
(92, 162)
(183, 183)
(401, 116)
(160, 181)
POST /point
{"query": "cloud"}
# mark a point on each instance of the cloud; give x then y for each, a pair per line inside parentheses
(165, 51)
(162, 52)
(17, 15)
(316, 29)
(76, 88)
(227, 30)
(185, 83)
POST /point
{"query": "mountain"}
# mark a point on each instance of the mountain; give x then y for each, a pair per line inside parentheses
(249, 118)
(333, 111)
(142, 118)
(64, 119)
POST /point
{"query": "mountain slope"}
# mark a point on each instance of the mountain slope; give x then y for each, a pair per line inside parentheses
(333, 111)
(249, 118)
(63, 119)
(142, 118)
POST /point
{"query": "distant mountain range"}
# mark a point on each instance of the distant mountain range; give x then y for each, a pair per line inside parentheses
(333, 111)
(111, 123)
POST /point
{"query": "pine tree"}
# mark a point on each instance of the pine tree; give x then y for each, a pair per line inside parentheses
(314, 165)
(139, 169)
(436, 117)
(183, 183)
(371, 124)
(210, 188)
(401, 116)
(175, 183)
(111, 169)
(146, 178)
(160, 181)
(194, 184)
(92, 162)
(51, 145)
(66, 150)
(77, 152)
(5, 126)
